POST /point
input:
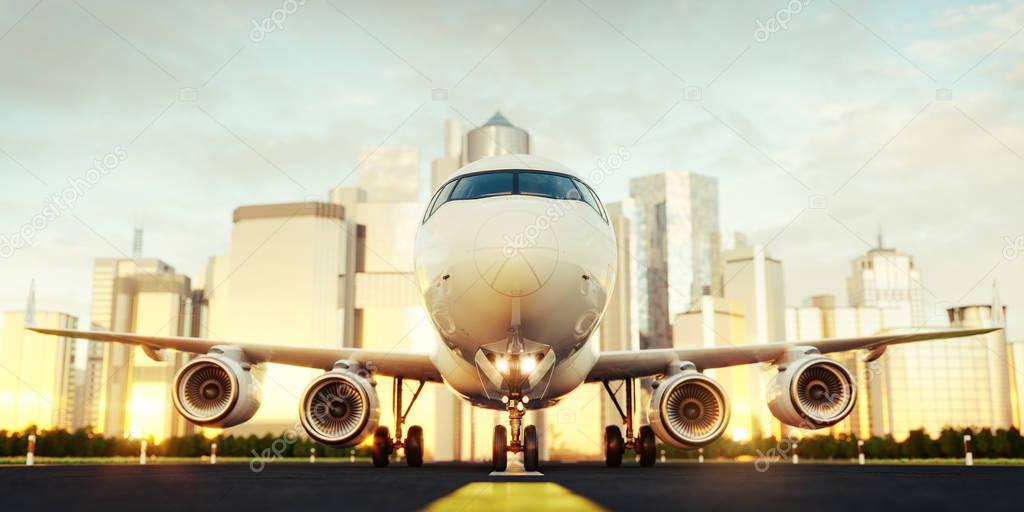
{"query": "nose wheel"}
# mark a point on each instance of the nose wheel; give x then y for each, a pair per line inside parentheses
(531, 451)
(524, 440)
(530, 448)
(499, 449)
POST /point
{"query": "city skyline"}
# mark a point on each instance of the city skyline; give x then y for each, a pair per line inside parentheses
(552, 254)
(740, 262)
(681, 257)
(898, 101)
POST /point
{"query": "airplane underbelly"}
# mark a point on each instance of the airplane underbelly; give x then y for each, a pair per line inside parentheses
(556, 319)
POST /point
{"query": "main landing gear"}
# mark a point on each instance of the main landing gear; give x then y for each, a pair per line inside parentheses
(384, 445)
(644, 444)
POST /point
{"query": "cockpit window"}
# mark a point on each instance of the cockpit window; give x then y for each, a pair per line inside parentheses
(440, 198)
(484, 185)
(590, 198)
(515, 182)
(547, 185)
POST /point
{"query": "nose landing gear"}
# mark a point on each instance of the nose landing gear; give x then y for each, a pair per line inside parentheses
(516, 371)
(526, 443)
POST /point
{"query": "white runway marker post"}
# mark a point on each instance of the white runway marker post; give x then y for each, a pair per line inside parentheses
(700, 456)
(663, 456)
(312, 455)
(796, 458)
(213, 453)
(30, 457)
(968, 456)
(352, 455)
(142, 452)
(860, 452)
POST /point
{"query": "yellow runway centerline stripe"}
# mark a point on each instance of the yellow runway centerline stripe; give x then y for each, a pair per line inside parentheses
(512, 496)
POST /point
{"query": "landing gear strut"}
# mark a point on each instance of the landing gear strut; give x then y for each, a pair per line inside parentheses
(384, 445)
(523, 440)
(645, 444)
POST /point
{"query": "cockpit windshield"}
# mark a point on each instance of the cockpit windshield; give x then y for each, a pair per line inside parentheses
(515, 182)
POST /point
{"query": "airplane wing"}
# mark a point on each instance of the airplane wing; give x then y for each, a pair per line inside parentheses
(392, 364)
(643, 363)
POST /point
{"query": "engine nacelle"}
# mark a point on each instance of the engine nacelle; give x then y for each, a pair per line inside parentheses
(218, 389)
(340, 407)
(688, 409)
(812, 392)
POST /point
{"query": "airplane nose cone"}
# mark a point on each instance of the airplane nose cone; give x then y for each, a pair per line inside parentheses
(516, 252)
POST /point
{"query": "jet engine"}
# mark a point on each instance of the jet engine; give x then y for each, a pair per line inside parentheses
(688, 409)
(219, 389)
(340, 407)
(812, 392)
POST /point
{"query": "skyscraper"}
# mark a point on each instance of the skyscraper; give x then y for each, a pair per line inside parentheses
(887, 278)
(618, 329)
(753, 279)
(90, 391)
(282, 282)
(997, 358)
(38, 379)
(820, 318)
(718, 322)
(146, 296)
(498, 136)
(936, 384)
(676, 231)
(1017, 382)
(443, 167)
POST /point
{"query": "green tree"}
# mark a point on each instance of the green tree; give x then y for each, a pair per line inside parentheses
(951, 443)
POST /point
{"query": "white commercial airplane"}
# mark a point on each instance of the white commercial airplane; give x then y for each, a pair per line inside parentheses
(515, 261)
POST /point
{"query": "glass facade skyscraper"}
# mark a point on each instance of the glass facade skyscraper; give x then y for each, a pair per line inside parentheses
(936, 384)
(675, 227)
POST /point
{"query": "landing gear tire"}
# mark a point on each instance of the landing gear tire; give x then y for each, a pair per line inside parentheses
(382, 447)
(646, 446)
(414, 447)
(614, 446)
(531, 449)
(499, 450)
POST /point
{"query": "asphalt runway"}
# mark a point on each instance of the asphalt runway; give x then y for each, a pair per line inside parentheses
(713, 486)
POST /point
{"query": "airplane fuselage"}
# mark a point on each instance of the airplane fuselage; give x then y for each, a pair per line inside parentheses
(515, 273)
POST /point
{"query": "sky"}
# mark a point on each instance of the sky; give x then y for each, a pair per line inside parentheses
(823, 121)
